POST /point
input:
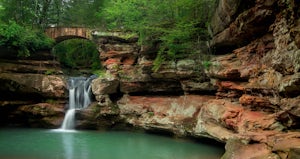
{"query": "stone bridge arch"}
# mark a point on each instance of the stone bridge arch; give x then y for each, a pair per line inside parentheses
(60, 34)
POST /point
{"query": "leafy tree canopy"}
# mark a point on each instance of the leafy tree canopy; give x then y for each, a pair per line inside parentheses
(42, 13)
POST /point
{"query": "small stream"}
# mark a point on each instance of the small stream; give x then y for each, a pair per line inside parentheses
(52, 144)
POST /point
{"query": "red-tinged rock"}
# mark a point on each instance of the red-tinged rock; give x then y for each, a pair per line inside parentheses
(229, 85)
(172, 87)
(111, 61)
(257, 121)
(269, 79)
(128, 60)
(254, 101)
(176, 114)
(120, 53)
(221, 113)
(233, 117)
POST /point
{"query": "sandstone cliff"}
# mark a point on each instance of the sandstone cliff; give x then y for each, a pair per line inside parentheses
(247, 98)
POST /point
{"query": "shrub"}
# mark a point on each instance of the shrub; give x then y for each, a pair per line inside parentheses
(22, 39)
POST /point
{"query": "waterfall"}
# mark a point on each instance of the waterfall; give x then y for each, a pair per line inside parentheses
(79, 97)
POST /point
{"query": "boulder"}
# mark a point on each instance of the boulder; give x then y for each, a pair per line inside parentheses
(101, 86)
(99, 116)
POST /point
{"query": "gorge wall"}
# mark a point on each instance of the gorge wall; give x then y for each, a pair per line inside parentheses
(248, 97)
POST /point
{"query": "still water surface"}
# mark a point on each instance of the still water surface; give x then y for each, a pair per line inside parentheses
(47, 144)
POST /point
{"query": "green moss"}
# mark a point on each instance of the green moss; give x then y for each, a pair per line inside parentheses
(100, 73)
(51, 101)
(206, 64)
(50, 72)
(96, 109)
(151, 114)
(115, 109)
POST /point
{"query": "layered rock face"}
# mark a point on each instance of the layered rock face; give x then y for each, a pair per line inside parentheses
(33, 90)
(247, 98)
(260, 79)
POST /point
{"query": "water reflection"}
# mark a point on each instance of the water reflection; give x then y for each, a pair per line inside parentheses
(74, 145)
(67, 141)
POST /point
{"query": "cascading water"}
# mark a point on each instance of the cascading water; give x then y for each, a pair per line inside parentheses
(79, 98)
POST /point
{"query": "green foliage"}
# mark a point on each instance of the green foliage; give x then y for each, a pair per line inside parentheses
(22, 39)
(160, 58)
(81, 13)
(1, 12)
(42, 13)
(151, 114)
(206, 64)
(100, 73)
(50, 72)
(29, 13)
(77, 53)
(177, 25)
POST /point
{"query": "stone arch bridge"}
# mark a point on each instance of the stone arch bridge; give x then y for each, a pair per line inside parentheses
(63, 33)
(60, 34)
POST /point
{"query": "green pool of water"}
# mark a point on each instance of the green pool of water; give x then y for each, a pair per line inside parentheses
(47, 144)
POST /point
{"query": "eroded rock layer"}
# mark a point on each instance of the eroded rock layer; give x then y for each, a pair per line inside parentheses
(33, 90)
(248, 97)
